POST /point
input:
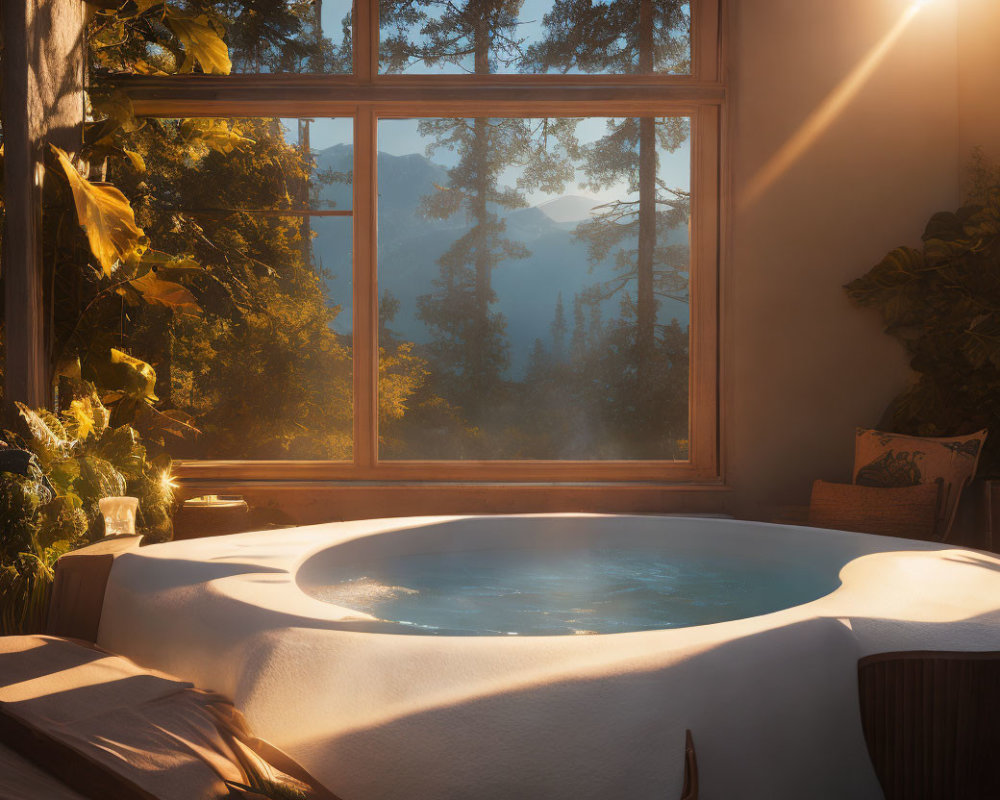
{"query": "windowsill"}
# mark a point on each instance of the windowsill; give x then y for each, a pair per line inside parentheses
(430, 473)
(279, 483)
(305, 502)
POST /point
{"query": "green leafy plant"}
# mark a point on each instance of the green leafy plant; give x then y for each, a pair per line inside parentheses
(942, 301)
(99, 262)
(52, 474)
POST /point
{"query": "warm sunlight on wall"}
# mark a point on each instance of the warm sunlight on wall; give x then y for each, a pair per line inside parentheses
(828, 111)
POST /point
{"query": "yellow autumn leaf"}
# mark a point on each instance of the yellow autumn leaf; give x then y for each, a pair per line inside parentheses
(47, 431)
(166, 293)
(82, 415)
(216, 134)
(141, 66)
(68, 367)
(134, 376)
(104, 214)
(117, 106)
(166, 265)
(138, 162)
(202, 43)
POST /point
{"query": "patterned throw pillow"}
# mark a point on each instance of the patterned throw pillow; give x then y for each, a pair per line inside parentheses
(884, 459)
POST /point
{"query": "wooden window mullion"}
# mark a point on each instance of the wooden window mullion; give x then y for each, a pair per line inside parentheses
(706, 43)
(365, 292)
(703, 383)
(364, 37)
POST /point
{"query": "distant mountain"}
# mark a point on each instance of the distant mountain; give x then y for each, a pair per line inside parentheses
(569, 208)
(410, 245)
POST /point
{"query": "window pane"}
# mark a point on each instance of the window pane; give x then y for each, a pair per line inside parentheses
(248, 36)
(298, 36)
(243, 302)
(535, 36)
(534, 273)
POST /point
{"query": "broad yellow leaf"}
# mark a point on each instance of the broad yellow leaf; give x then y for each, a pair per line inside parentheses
(130, 377)
(116, 106)
(158, 425)
(201, 41)
(166, 293)
(45, 428)
(82, 415)
(216, 134)
(142, 67)
(141, 377)
(104, 214)
(137, 161)
(166, 265)
(68, 367)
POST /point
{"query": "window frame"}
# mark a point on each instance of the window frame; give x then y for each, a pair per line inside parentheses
(367, 96)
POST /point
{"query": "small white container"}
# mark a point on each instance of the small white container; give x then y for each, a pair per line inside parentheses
(119, 515)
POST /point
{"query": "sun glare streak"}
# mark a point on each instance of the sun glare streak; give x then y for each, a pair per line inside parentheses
(827, 111)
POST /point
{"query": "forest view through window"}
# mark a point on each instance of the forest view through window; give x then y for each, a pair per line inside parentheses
(385, 281)
(540, 269)
(249, 329)
(417, 37)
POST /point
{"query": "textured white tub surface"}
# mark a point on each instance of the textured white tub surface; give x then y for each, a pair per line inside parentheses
(771, 700)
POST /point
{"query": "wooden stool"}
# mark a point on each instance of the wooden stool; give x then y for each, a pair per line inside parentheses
(212, 515)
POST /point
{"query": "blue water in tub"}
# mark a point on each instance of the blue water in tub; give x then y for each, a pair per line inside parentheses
(584, 591)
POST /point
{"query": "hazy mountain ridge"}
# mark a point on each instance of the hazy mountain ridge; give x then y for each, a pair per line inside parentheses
(410, 245)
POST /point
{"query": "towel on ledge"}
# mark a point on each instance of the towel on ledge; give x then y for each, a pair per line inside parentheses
(108, 728)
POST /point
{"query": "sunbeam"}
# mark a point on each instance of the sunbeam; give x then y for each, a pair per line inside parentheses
(827, 111)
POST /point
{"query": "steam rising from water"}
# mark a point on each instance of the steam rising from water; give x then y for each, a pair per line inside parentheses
(365, 592)
(529, 592)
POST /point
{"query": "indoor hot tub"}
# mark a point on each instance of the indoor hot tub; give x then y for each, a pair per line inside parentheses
(551, 656)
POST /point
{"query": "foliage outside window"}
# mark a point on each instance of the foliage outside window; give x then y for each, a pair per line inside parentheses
(536, 298)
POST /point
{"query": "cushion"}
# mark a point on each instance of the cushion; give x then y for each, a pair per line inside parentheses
(886, 460)
(910, 511)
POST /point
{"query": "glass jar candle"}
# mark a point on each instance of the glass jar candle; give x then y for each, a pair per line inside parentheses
(119, 515)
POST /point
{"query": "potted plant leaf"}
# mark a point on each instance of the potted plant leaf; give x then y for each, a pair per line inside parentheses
(942, 301)
(53, 474)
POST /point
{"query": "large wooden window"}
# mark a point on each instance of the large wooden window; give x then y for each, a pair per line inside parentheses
(503, 217)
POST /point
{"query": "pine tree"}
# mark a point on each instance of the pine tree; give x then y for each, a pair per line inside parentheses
(559, 332)
(470, 349)
(613, 36)
(624, 36)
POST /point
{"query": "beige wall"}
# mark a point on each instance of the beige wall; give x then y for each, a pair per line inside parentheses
(979, 76)
(802, 366)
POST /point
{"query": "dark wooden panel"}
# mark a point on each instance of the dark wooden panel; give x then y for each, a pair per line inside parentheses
(78, 590)
(42, 102)
(932, 723)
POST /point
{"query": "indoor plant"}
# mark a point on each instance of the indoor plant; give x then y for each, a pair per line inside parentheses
(942, 301)
(52, 475)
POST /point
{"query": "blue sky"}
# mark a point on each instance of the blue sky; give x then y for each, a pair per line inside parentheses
(400, 137)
